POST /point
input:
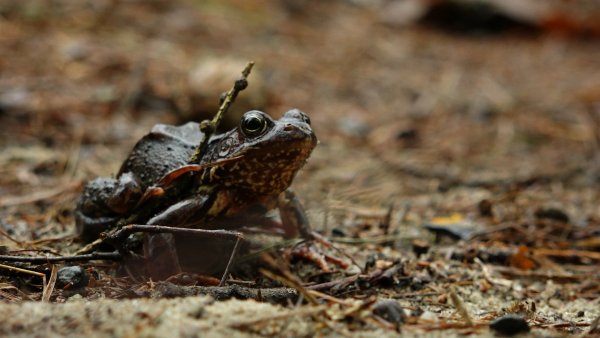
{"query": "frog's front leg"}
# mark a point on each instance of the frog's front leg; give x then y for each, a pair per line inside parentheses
(293, 217)
(103, 201)
(295, 223)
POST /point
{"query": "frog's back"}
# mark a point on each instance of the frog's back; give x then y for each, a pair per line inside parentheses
(165, 148)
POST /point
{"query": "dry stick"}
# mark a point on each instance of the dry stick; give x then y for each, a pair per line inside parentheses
(347, 280)
(387, 220)
(286, 278)
(230, 261)
(30, 272)
(9, 237)
(487, 274)
(209, 127)
(330, 298)
(114, 256)
(540, 275)
(594, 326)
(371, 240)
(567, 253)
(333, 283)
(49, 287)
(291, 283)
(460, 306)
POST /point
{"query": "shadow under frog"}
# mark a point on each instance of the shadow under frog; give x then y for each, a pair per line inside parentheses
(248, 173)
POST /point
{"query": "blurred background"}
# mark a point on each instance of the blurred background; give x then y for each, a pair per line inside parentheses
(433, 104)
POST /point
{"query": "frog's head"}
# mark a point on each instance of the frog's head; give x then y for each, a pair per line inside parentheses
(270, 152)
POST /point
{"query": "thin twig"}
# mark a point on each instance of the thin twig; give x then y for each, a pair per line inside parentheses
(333, 283)
(286, 278)
(567, 253)
(594, 326)
(330, 298)
(290, 282)
(488, 275)
(49, 287)
(460, 306)
(113, 256)
(371, 240)
(30, 272)
(541, 275)
(209, 127)
(9, 237)
(387, 220)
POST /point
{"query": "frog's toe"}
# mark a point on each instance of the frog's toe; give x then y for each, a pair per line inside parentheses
(308, 251)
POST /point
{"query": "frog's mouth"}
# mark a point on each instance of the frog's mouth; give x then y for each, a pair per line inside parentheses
(269, 170)
(288, 152)
(274, 160)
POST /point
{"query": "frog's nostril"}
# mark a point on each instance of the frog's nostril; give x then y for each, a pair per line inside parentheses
(288, 127)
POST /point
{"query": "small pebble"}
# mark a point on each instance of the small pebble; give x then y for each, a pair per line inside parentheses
(420, 246)
(337, 232)
(76, 298)
(75, 51)
(509, 325)
(555, 303)
(407, 135)
(486, 208)
(14, 98)
(390, 310)
(552, 213)
(352, 270)
(72, 277)
(428, 316)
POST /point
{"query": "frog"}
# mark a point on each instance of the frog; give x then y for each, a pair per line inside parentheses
(240, 177)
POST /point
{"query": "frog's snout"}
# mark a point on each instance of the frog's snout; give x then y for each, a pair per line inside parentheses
(298, 131)
(297, 127)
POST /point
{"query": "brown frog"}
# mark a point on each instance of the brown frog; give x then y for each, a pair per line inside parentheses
(247, 173)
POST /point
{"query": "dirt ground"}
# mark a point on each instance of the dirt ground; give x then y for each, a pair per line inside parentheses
(458, 162)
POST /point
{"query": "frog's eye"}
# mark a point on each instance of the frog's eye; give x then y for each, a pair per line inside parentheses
(253, 124)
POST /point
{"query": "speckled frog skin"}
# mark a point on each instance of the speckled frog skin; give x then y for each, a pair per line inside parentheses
(263, 156)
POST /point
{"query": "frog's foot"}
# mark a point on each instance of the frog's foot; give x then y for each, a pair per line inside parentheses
(307, 250)
(193, 279)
